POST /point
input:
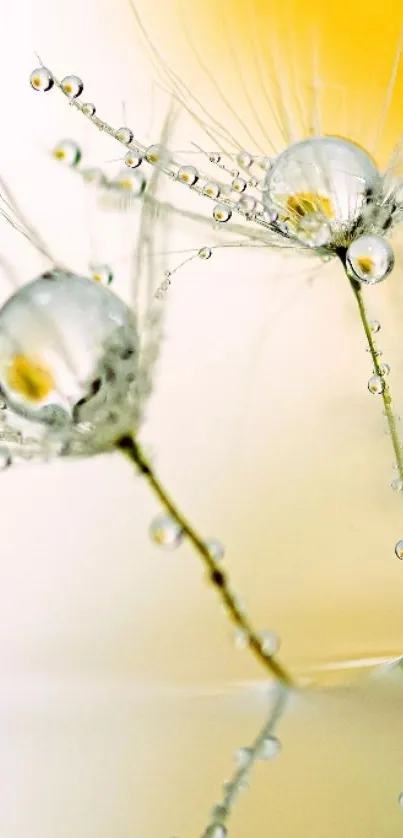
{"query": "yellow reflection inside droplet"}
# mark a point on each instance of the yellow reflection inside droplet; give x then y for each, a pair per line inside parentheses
(29, 379)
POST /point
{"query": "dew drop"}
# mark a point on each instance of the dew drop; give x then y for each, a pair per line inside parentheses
(265, 163)
(376, 385)
(216, 830)
(215, 548)
(375, 326)
(397, 484)
(133, 159)
(205, 253)
(88, 109)
(101, 273)
(67, 151)
(384, 369)
(238, 184)
(270, 642)
(165, 532)
(93, 176)
(130, 180)
(242, 756)
(399, 549)
(370, 259)
(244, 159)
(270, 748)
(5, 458)
(270, 214)
(314, 230)
(400, 800)
(211, 189)
(125, 135)
(247, 203)
(156, 154)
(241, 639)
(221, 213)
(214, 157)
(188, 175)
(72, 86)
(41, 79)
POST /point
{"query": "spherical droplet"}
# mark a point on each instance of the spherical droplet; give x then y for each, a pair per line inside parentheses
(67, 151)
(157, 155)
(93, 176)
(221, 213)
(238, 184)
(270, 748)
(101, 273)
(270, 642)
(397, 484)
(244, 159)
(125, 135)
(247, 203)
(400, 800)
(214, 157)
(133, 159)
(242, 756)
(376, 385)
(370, 259)
(270, 214)
(188, 174)
(132, 181)
(384, 369)
(241, 638)
(313, 230)
(205, 253)
(375, 326)
(5, 458)
(41, 79)
(72, 86)
(88, 109)
(399, 549)
(211, 189)
(215, 548)
(265, 163)
(216, 830)
(165, 532)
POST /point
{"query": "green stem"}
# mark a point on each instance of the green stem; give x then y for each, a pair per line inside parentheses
(386, 394)
(217, 576)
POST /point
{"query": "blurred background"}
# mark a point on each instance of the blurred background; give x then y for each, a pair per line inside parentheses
(123, 694)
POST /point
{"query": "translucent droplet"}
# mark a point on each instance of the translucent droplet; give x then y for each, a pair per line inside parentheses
(375, 326)
(216, 830)
(399, 549)
(205, 253)
(242, 756)
(270, 214)
(133, 159)
(397, 484)
(157, 154)
(211, 189)
(270, 642)
(400, 800)
(165, 532)
(247, 203)
(124, 135)
(270, 748)
(101, 273)
(370, 259)
(241, 639)
(238, 184)
(214, 157)
(384, 369)
(67, 151)
(132, 181)
(188, 174)
(313, 230)
(72, 86)
(265, 163)
(41, 79)
(5, 458)
(215, 548)
(88, 109)
(221, 213)
(244, 159)
(376, 385)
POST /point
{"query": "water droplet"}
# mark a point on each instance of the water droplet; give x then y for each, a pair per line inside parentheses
(101, 273)
(67, 151)
(265, 163)
(247, 203)
(133, 159)
(238, 184)
(375, 326)
(125, 135)
(384, 369)
(242, 756)
(205, 253)
(400, 800)
(221, 213)
(270, 748)
(72, 86)
(88, 109)
(214, 157)
(41, 79)
(188, 175)
(215, 548)
(5, 458)
(211, 189)
(270, 642)
(157, 154)
(244, 159)
(216, 830)
(313, 230)
(165, 532)
(270, 214)
(241, 639)
(370, 259)
(399, 549)
(93, 176)
(397, 484)
(132, 181)
(376, 385)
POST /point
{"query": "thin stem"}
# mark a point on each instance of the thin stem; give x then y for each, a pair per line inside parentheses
(386, 394)
(217, 577)
(222, 810)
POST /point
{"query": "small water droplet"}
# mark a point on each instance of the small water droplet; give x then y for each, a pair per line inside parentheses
(384, 369)
(376, 385)
(41, 79)
(188, 175)
(221, 213)
(397, 484)
(67, 151)
(5, 458)
(125, 135)
(244, 159)
(72, 86)
(215, 830)
(88, 109)
(211, 189)
(101, 273)
(215, 548)
(400, 800)
(314, 230)
(270, 642)
(270, 748)
(132, 159)
(214, 157)
(242, 755)
(241, 638)
(205, 253)
(238, 184)
(399, 549)
(375, 326)
(165, 532)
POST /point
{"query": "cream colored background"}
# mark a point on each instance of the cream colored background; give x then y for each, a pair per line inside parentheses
(262, 427)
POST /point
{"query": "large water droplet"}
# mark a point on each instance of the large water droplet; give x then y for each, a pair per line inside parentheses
(376, 385)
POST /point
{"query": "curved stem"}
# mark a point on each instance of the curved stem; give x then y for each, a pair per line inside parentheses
(217, 577)
(386, 394)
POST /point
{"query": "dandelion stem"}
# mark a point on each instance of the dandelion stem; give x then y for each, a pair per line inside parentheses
(386, 394)
(217, 577)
